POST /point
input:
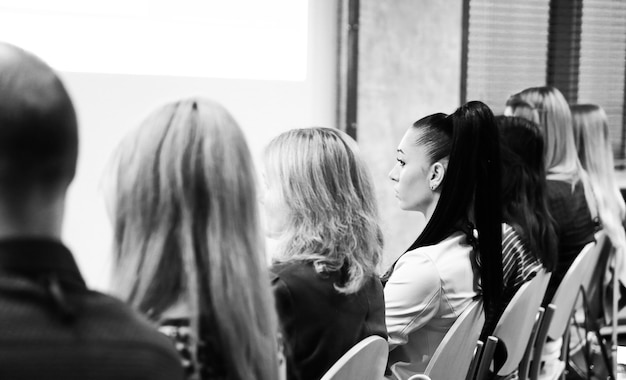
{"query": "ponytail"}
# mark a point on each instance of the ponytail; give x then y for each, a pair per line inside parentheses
(476, 150)
(471, 191)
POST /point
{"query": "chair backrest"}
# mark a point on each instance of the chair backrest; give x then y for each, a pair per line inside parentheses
(579, 275)
(365, 361)
(452, 358)
(515, 326)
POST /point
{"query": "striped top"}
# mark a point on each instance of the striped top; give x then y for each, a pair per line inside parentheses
(519, 265)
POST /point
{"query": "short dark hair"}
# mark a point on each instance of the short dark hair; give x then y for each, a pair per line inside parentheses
(38, 125)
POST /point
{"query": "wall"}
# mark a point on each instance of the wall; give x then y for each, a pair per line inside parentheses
(109, 105)
(409, 67)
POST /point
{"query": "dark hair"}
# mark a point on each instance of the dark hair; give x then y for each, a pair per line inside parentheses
(38, 127)
(471, 187)
(524, 202)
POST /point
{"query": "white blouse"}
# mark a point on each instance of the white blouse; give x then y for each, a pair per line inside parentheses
(429, 288)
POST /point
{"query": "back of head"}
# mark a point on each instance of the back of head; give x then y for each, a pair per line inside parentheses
(515, 106)
(596, 155)
(470, 188)
(556, 121)
(186, 229)
(591, 134)
(332, 216)
(38, 127)
(524, 202)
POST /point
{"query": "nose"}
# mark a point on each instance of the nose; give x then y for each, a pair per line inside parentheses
(393, 173)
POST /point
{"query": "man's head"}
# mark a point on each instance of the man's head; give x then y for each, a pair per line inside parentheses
(38, 127)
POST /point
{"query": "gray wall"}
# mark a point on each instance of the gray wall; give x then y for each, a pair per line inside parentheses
(409, 67)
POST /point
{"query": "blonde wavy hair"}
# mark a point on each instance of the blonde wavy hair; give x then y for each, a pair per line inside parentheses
(333, 216)
(186, 228)
(555, 119)
(596, 155)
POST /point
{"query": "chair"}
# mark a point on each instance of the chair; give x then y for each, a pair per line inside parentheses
(559, 312)
(457, 350)
(514, 330)
(365, 361)
(524, 365)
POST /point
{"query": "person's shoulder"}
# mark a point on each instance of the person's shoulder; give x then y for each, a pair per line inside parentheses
(301, 280)
(557, 188)
(293, 270)
(108, 320)
(512, 243)
(91, 327)
(509, 232)
(420, 260)
(452, 245)
(373, 285)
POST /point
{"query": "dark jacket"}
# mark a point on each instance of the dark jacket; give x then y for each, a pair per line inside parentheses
(575, 227)
(53, 327)
(319, 323)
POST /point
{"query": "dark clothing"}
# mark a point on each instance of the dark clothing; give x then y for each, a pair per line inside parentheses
(208, 363)
(575, 227)
(53, 327)
(319, 323)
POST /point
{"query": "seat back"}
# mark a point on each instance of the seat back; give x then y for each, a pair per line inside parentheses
(454, 354)
(578, 276)
(365, 361)
(515, 326)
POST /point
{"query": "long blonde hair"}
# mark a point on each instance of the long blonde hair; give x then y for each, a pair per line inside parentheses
(186, 227)
(596, 155)
(560, 152)
(333, 216)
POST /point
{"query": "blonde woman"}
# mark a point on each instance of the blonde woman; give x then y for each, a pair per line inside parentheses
(596, 155)
(571, 200)
(321, 208)
(188, 250)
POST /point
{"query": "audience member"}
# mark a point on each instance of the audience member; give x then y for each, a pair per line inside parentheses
(52, 326)
(571, 200)
(188, 248)
(591, 131)
(529, 239)
(448, 168)
(520, 108)
(320, 206)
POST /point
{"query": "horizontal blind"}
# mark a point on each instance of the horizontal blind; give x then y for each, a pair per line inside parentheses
(507, 48)
(603, 63)
(564, 47)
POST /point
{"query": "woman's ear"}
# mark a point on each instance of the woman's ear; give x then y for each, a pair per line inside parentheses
(436, 174)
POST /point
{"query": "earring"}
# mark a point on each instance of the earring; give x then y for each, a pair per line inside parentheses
(433, 186)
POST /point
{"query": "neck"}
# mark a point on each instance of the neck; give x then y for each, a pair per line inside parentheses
(31, 217)
(430, 209)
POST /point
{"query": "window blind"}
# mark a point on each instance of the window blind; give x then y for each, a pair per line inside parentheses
(578, 46)
(507, 44)
(603, 63)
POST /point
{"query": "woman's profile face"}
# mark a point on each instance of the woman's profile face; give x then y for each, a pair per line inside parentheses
(411, 175)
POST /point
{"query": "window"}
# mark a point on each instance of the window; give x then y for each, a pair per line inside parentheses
(578, 46)
(507, 46)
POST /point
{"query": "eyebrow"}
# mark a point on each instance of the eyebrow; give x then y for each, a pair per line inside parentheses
(399, 151)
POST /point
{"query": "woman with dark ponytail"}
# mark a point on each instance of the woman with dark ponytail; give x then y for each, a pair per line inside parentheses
(448, 169)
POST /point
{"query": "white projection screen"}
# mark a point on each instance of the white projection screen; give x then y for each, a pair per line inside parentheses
(272, 63)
